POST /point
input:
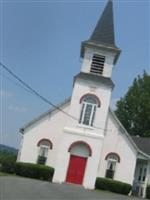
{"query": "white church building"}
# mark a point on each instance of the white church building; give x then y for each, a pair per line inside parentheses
(82, 138)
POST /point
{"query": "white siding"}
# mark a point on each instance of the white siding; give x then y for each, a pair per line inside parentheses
(87, 60)
(50, 127)
(102, 91)
(115, 141)
(92, 162)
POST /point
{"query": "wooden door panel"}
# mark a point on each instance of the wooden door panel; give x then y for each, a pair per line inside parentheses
(76, 169)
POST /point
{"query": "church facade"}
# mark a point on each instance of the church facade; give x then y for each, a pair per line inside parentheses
(82, 138)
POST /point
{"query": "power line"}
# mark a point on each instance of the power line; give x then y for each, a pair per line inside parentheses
(15, 83)
(34, 91)
(28, 88)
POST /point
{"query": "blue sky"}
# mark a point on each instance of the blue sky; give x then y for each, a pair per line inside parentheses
(40, 42)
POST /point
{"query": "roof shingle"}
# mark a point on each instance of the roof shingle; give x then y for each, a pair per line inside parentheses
(142, 143)
(104, 30)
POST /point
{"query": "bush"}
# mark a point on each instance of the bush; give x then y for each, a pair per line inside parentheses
(34, 171)
(148, 192)
(6, 155)
(8, 164)
(112, 185)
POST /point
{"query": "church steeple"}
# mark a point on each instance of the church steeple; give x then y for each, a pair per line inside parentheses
(104, 30)
(103, 36)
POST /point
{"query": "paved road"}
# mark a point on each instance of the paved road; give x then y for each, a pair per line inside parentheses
(17, 188)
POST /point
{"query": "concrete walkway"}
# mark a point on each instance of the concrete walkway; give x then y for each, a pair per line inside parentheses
(18, 188)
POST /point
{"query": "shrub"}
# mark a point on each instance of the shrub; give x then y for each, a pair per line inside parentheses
(148, 192)
(8, 164)
(112, 185)
(5, 155)
(34, 171)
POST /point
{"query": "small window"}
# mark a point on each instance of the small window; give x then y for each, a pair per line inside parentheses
(43, 151)
(112, 160)
(111, 166)
(44, 146)
(97, 65)
(88, 109)
(142, 174)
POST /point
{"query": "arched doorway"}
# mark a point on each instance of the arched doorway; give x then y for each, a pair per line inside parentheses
(79, 153)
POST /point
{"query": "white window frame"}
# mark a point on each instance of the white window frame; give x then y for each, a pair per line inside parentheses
(44, 147)
(142, 174)
(92, 113)
(114, 162)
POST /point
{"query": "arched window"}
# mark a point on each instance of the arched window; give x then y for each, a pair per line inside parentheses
(80, 148)
(44, 146)
(112, 160)
(89, 104)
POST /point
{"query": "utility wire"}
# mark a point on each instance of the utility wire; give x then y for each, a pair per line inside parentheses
(33, 91)
(28, 88)
(15, 83)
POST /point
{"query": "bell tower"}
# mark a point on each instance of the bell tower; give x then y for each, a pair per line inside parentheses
(89, 105)
(99, 54)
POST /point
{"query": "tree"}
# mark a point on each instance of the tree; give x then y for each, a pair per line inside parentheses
(133, 110)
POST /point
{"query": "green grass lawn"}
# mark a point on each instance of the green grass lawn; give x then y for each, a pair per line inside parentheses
(6, 174)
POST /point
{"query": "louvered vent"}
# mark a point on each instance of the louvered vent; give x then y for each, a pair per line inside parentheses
(97, 65)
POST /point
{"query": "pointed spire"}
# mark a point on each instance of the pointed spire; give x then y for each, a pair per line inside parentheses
(104, 30)
(103, 35)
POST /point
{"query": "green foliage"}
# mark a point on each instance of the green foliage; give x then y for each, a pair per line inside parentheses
(6, 155)
(148, 192)
(8, 165)
(34, 171)
(134, 108)
(112, 185)
(3, 174)
(7, 161)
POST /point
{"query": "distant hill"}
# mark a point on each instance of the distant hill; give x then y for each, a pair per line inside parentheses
(8, 149)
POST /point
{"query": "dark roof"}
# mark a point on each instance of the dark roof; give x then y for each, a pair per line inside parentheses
(104, 30)
(142, 143)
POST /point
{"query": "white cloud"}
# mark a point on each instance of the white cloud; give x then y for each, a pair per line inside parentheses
(17, 109)
(4, 93)
(113, 103)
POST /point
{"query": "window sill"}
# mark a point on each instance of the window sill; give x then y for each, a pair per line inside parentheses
(85, 132)
(85, 126)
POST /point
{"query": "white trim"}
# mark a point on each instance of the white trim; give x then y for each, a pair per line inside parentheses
(85, 126)
(91, 114)
(82, 133)
(46, 150)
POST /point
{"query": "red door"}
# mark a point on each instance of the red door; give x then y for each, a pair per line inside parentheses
(76, 169)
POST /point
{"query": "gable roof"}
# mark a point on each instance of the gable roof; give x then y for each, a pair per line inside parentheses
(142, 143)
(124, 131)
